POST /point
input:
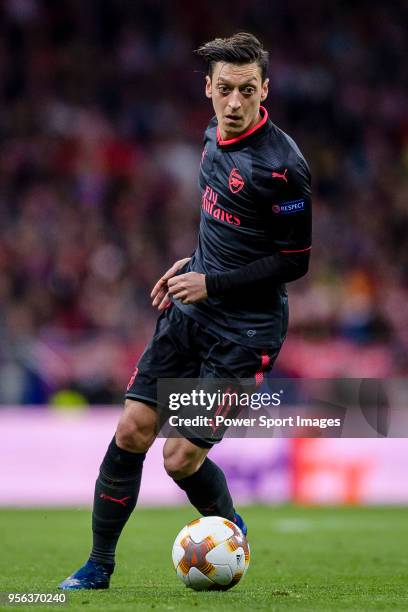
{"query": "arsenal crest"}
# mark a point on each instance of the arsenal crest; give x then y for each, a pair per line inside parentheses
(235, 182)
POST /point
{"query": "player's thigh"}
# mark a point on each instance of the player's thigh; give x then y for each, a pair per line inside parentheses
(137, 427)
(182, 458)
(168, 355)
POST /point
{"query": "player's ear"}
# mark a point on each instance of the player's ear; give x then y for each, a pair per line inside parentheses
(264, 90)
(208, 88)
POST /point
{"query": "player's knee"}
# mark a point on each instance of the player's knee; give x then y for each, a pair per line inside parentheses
(130, 438)
(135, 432)
(180, 463)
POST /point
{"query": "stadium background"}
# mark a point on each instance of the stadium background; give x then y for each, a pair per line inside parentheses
(101, 122)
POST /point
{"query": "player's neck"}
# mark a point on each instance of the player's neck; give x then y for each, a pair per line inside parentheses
(230, 135)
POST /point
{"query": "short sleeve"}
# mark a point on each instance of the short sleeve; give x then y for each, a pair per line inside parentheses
(285, 199)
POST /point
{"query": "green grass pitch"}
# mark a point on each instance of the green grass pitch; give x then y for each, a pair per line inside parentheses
(302, 559)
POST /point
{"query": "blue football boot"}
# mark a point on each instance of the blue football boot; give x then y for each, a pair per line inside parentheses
(92, 575)
(239, 521)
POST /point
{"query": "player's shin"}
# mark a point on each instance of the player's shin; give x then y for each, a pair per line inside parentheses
(208, 491)
(116, 493)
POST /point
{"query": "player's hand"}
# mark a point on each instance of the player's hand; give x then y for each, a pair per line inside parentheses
(159, 294)
(189, 288)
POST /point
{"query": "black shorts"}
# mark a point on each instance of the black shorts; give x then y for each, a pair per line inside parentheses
(182, 348)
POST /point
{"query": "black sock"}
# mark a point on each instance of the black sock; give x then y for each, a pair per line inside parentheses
(116, 492)
(208, 491)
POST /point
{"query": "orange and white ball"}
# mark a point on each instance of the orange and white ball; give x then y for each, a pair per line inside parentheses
(211, 553)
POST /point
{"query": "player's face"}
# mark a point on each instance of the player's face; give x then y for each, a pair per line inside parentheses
(236, 92)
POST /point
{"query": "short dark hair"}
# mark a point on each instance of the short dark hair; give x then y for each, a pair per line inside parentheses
(241, 48)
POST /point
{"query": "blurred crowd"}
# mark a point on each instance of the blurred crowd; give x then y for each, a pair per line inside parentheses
(102, 111)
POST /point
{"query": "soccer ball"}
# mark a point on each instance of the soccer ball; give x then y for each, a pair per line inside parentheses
(210, 553)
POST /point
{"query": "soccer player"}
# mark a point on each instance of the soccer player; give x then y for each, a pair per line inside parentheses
(224, 310)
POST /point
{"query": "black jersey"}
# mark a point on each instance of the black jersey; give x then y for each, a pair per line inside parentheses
(255, 205)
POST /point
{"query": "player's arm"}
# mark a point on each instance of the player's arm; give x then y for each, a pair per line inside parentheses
(276, 268)
(289, 217)
(281, 267)
(284, 266)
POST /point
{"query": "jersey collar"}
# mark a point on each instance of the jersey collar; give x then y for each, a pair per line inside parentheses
(238, 139)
